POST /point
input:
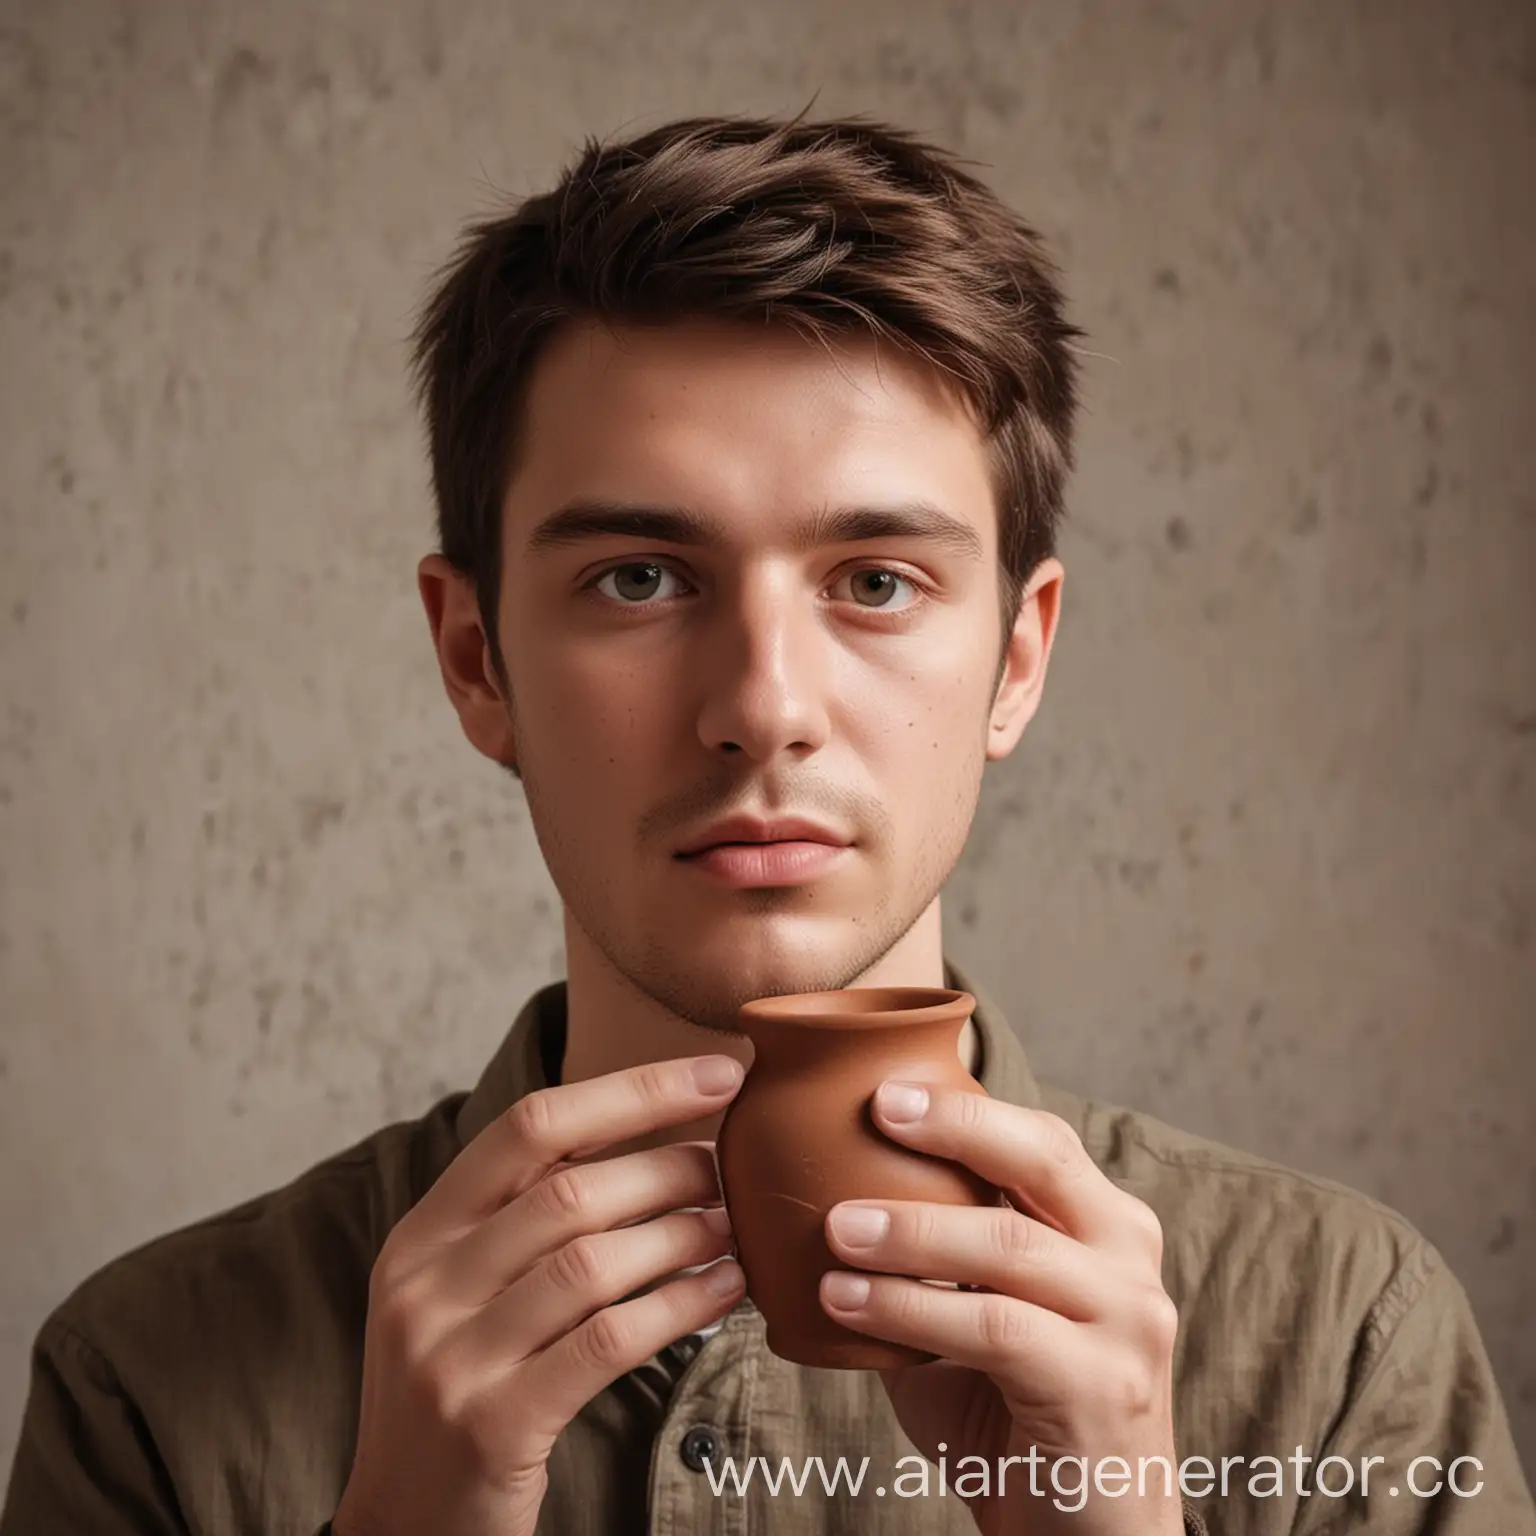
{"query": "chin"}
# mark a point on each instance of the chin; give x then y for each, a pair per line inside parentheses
(775, 940)
(733, 968)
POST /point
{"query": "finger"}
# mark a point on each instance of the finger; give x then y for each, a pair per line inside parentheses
(567, 1122)
(573, 1201)
(992, 1246)
(1035, 1157)
(1001, 1335)
(565, 1288)
(612, 1342)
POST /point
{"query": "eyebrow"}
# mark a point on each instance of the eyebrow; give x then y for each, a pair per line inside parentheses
(589, 518)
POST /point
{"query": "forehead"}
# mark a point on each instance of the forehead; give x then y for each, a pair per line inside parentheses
(746, 419)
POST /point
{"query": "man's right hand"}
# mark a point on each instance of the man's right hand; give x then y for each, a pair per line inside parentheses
(495, 1308)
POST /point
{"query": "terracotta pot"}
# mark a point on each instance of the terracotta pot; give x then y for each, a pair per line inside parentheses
(798, 1138)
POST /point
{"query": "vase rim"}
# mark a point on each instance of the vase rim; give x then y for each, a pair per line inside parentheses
(860, 1007)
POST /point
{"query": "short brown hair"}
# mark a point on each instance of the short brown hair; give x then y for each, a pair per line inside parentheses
(826, 226)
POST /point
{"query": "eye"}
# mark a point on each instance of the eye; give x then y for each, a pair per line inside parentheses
(631, 579)
(876, 584)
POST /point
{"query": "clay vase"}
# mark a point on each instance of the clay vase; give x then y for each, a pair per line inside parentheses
(798, 1138)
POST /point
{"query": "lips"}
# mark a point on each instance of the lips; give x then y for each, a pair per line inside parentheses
(746, 866)
(746, 830)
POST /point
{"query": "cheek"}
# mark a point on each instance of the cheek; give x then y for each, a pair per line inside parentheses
(599, 731)
(573, 693)
(927, 744)
(942, 707)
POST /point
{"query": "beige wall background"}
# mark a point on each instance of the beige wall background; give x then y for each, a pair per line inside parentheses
(1264, 865)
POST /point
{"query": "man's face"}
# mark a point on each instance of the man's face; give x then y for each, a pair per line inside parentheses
(771, 667)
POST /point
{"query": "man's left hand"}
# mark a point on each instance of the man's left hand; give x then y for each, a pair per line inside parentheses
(1065, 1347)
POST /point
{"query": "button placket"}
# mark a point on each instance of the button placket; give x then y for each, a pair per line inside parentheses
(706, 1422)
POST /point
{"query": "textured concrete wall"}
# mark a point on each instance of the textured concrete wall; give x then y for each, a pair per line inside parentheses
(1264, 863)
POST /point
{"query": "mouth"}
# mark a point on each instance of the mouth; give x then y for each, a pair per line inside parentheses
(771, 842)
(743, 831)
(780, 862)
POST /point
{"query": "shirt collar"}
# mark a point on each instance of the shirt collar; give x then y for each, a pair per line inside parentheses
(517, 1068)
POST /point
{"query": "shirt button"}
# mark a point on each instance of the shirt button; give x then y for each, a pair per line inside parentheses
(699, 1444)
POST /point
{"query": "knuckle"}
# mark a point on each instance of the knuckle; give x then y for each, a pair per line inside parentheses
(392, 1267)
(915, 1226)
(605, 1342)
(904, 1305)
(1003, 1326)
(396, 1313)
(394, 1325)
(1018, 1241)
(567, 1194)
(440, 1387)
(384, 1278)
(970, 1111)
(580, 1265)
(1151, 1227)
(1159, 1318)
(531, 1120)
(692, 1240)
(656, 1082)
(1061, 1144)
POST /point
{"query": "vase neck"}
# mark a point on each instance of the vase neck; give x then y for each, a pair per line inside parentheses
(787, 1039)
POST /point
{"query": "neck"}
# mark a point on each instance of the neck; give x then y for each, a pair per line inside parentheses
(611, 1024)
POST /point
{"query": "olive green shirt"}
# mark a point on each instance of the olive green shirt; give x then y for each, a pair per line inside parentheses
(209, 1381)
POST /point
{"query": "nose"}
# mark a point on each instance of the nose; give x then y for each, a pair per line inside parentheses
(765, 668)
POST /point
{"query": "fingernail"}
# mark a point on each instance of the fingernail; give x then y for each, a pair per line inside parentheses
(845, 1292)
(714, 1075)
(902, 1102)
(724, 1278)
(717, 1219)
(859, 1225)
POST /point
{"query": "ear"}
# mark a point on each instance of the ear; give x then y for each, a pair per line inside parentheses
(1028, 654)
(464, 657)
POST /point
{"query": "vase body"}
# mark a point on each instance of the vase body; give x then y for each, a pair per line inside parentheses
(798, 1138)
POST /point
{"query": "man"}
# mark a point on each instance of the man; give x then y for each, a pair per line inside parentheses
(749, 442)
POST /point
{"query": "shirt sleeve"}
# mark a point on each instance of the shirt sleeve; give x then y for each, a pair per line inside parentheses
(85, 1460)
(1419, 1385)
